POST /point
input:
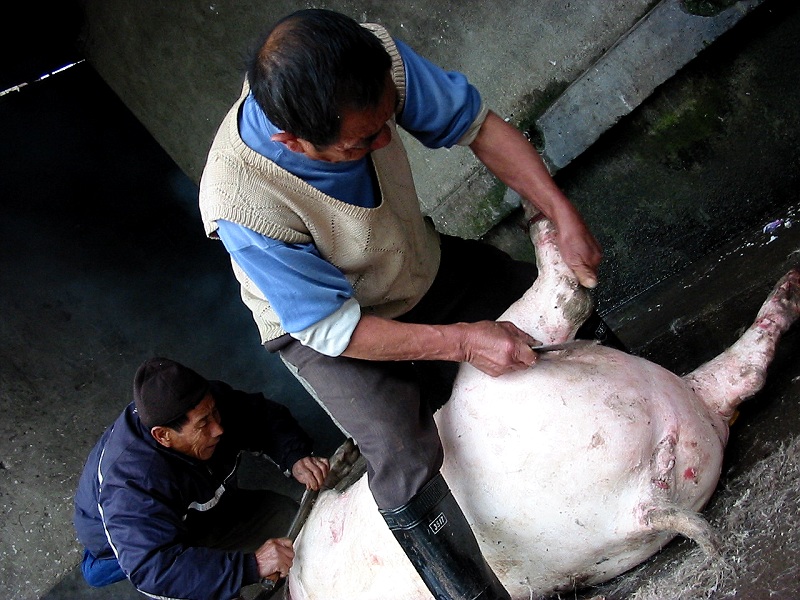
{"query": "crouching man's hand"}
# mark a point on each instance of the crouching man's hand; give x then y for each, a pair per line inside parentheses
(274, 558)
(311, 471)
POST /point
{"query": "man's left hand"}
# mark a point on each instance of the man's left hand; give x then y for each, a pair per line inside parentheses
(311, 471)
(581, 251)
(515, 161)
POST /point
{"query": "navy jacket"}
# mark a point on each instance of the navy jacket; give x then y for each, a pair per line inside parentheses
(136, 495)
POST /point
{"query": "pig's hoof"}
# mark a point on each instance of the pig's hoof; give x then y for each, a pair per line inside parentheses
(782, 306)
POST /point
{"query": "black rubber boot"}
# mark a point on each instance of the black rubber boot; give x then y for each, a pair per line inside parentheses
(436, 537)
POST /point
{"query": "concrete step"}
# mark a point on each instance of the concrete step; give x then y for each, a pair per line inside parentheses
(665, 40)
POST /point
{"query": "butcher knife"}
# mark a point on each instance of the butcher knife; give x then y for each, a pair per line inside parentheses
(565, 345)
(341, 464)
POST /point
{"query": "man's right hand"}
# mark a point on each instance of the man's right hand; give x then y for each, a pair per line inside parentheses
(497, 347)
(275, 557)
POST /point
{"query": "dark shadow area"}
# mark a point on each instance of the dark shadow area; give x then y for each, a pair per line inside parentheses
(37, 38)
(104, 264)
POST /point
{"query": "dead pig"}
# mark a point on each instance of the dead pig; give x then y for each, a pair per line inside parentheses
(570, 472)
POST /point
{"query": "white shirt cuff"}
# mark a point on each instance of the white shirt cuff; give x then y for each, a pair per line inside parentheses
(473, 130)
(331, 335)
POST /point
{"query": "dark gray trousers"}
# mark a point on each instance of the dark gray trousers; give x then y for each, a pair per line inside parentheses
(387, 407)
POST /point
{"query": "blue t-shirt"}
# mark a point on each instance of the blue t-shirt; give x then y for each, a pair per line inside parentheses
(312, 298)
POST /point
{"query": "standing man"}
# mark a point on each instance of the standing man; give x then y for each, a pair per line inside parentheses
(158, 500)
(308, 186)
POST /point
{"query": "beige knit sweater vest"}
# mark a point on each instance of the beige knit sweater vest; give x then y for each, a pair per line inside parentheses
(389, 254)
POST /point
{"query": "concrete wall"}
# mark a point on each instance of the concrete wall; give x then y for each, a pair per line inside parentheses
(179, 65)
(714, 154)
(711, 153)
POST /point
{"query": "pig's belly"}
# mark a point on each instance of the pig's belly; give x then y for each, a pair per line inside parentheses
(555, 468)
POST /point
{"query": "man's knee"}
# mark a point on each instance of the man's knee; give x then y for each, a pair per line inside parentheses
(395, 478)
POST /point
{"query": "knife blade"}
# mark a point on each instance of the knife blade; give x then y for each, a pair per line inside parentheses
(565, 345)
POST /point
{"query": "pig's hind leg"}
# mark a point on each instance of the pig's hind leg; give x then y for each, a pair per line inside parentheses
(740, 371)
(721, 384)
(556, 305)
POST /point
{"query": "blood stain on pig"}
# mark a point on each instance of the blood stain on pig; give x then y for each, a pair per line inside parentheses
(660, 483)
(337, 528)
(336, 535)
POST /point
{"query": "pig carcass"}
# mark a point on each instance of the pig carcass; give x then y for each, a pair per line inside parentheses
(570, 472)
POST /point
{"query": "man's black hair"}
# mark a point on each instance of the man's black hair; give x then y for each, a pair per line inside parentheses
(311, 66)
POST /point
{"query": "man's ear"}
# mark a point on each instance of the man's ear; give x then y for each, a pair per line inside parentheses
(162, 435)
(291, 141)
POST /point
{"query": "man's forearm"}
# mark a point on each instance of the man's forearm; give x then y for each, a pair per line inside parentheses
(491, 346)
(375, 338)
(515, 161)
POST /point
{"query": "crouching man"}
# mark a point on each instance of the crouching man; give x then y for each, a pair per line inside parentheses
(158, 500)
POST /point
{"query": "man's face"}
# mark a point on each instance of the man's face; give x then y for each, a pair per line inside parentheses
(362, 131)
(199, 437)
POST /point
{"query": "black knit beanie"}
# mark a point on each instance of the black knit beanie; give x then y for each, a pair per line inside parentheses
(164, 390)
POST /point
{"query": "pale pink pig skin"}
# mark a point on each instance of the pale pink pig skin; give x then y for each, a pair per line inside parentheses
(577, 464)
(570, 472)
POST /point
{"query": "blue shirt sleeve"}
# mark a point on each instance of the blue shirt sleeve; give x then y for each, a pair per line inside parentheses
(440, 105)
(302, 287)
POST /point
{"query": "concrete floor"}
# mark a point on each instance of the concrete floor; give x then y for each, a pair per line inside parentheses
(104, 264)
